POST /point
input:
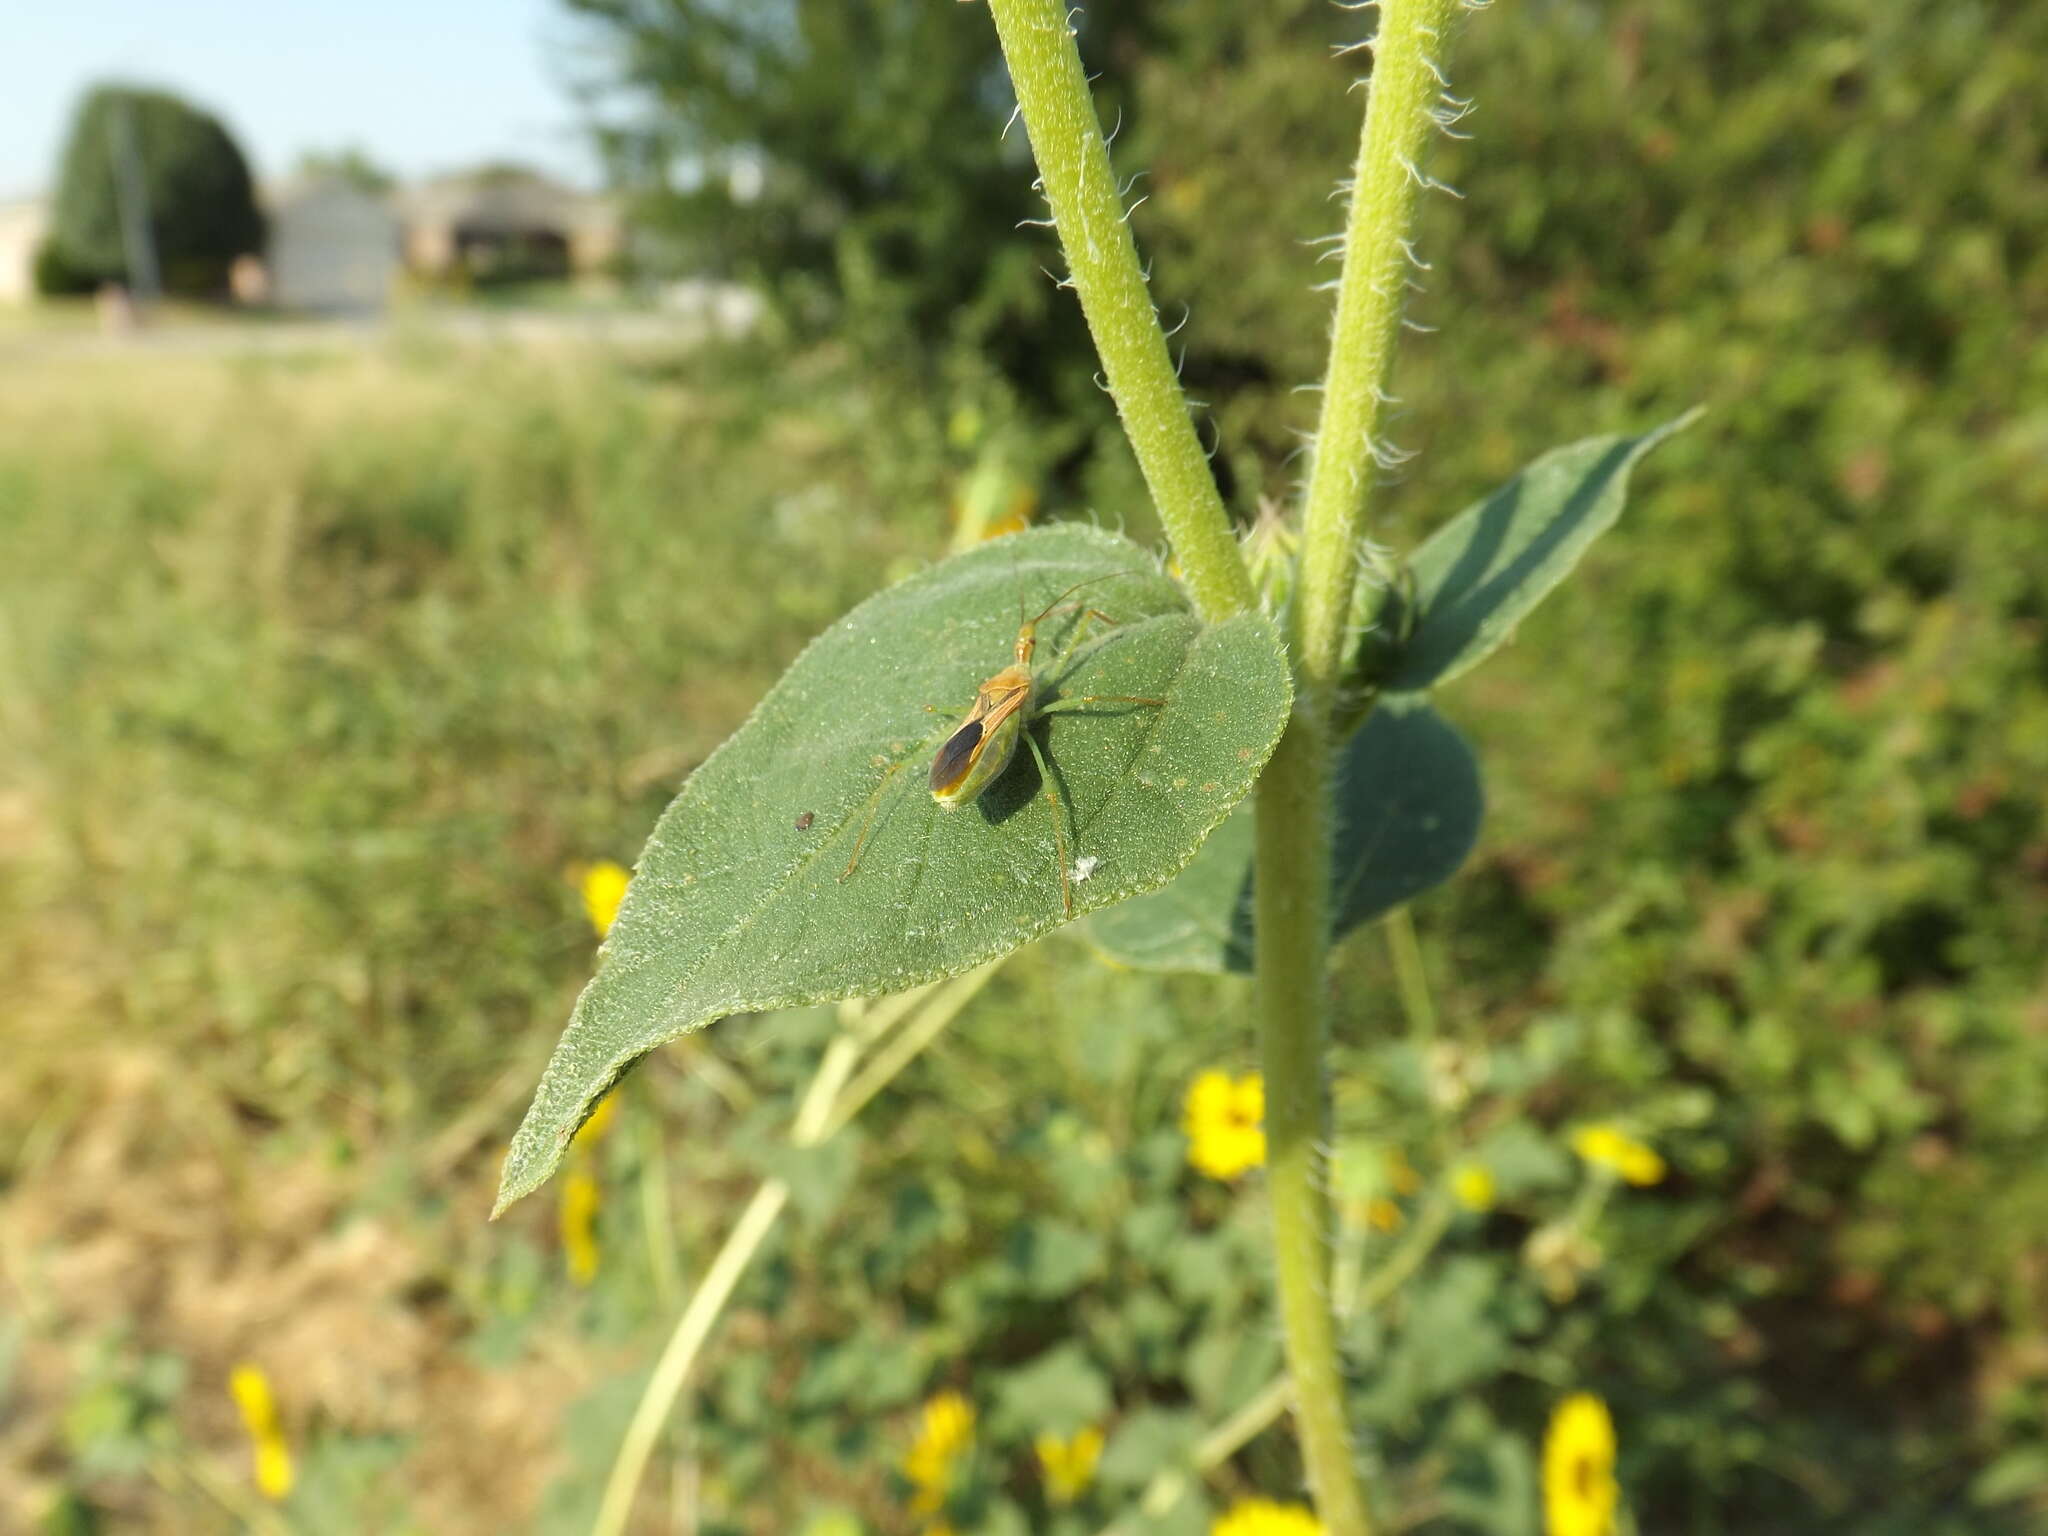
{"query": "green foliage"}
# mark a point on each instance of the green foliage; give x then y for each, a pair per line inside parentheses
(352, 164)
(322, 670)
(749, 896)
(55, 277)
(1409, 806)
(766, 157)
(202, 203)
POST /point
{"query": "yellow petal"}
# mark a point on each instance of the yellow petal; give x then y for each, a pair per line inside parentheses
(1472, 1185)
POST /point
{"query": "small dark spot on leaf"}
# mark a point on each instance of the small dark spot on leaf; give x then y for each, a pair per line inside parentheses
(803, 822)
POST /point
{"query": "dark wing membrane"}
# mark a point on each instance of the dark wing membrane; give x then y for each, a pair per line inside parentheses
(956, 757)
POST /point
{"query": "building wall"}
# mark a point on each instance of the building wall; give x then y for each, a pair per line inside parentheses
(22, 226)
(333, 248)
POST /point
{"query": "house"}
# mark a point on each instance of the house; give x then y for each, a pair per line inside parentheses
(506, 223)
(22, 227)
(334, 247)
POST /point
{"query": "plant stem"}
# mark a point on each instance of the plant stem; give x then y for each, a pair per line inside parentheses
(1291, 929)
(1271, 1400)
(820, 1114)
(892, 1058)
(1385, 183)
(708, 1301)
(1291, 879)
(692, 1330)
(1102, 266)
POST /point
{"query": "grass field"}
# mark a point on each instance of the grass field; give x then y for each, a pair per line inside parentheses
(320, 675)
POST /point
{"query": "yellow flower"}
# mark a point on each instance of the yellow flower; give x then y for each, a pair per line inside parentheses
(1472, 1186)
(250, 1389)
(592, 1130)
(1579, 1491)
(1224, 1119)
(1069, 1465)
(604, 886)
(581, 1197)
(945, 1435)
(1608, 1146)
(1263, 1517)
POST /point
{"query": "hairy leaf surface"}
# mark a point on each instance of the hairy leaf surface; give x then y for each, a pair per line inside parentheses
(741, 901)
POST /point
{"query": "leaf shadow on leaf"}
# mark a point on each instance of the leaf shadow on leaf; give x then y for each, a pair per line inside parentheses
(1409, 807)
(1483, 572)
(1457, 606)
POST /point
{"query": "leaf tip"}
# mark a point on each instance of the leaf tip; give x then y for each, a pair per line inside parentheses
(1679, 423)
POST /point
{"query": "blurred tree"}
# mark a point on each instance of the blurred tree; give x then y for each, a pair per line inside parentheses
(350, 164)
(850, 155)
(201, 203)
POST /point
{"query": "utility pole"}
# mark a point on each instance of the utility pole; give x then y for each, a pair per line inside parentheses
(138, 241)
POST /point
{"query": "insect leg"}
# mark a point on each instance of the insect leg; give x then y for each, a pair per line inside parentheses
(1063, 706)
(1059, 841)
(867, 824)
(1079, 636)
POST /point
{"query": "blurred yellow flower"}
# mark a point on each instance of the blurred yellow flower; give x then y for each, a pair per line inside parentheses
(1605, 1145)
(250, 1389)
(1224, 1119)
(1069, 1465)
(1579, 1491)
(591, 1131)
(603, 885)
(945, 1435)
(577, 1217)
(1472, 1186)
(1382, 1215)
(1263, 1517)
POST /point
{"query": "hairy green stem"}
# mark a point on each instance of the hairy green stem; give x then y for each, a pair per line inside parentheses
(1406, 86)
(1270, 1401)
(1292, 920)
(1102, 265)
(1291, 936)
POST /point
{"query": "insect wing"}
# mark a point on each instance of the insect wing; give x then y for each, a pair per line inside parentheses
(956, 757)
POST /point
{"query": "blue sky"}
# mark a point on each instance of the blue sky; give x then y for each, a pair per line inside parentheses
(422, 85)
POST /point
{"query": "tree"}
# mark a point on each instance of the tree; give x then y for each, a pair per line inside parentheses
(350, 164)
(200, 201)
(850, 156)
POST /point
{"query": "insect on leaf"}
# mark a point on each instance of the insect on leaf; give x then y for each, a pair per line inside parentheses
(1408, 806)
(742, 900)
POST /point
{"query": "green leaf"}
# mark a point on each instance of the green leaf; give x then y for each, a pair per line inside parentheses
(741, 901)
(1147, 1442)
(1051, 1259)
(2020, 1473)
(1060, 1391)
(1479, 575)
(1409, 807)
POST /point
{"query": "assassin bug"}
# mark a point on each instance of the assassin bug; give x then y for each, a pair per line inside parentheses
(980, 747)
